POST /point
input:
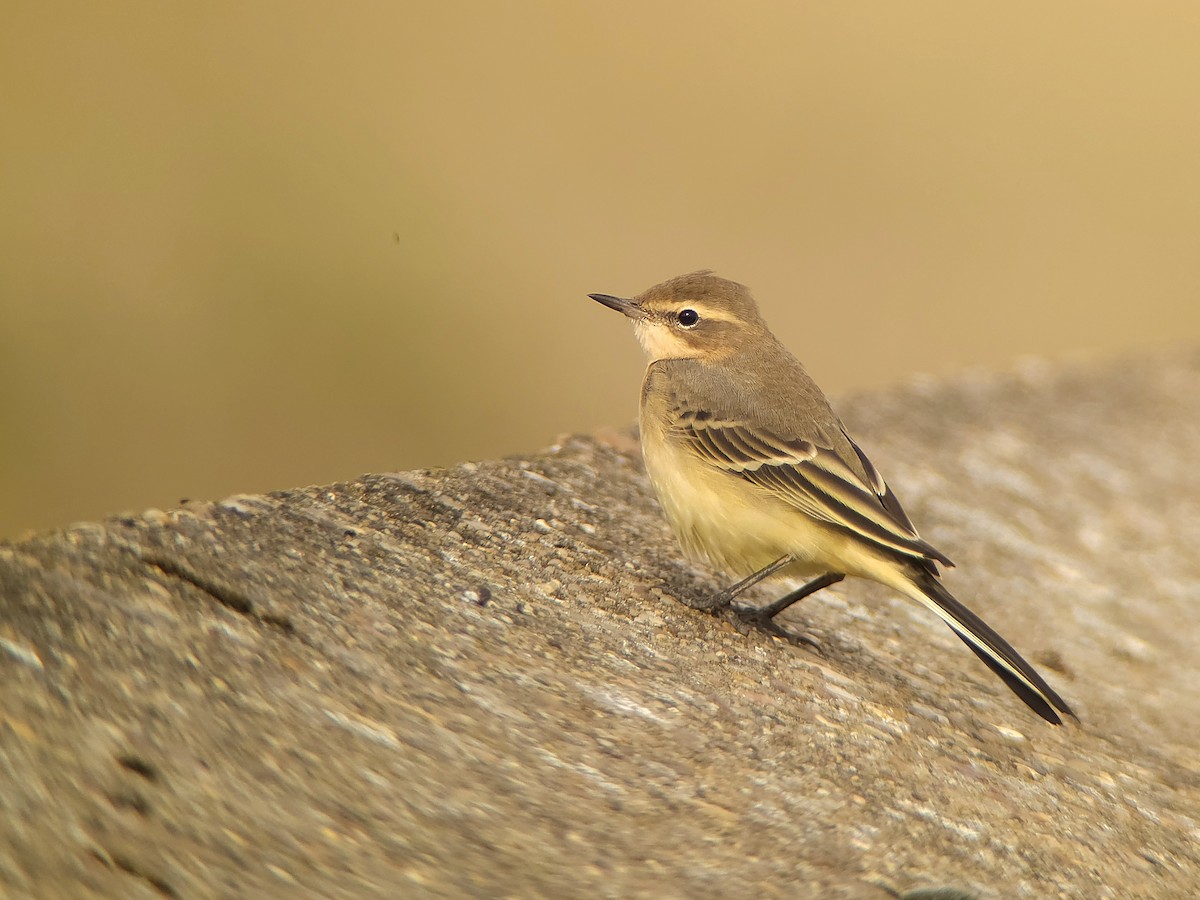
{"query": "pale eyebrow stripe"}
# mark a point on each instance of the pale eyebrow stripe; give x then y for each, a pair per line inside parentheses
(707, 312)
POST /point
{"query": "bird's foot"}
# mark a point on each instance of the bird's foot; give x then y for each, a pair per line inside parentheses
(763, 621)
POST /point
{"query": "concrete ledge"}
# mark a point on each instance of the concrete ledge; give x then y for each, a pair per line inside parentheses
(481, 681)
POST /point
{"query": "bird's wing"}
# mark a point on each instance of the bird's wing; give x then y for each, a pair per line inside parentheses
(812, 478)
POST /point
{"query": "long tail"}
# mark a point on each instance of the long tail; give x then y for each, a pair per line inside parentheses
(996, 653)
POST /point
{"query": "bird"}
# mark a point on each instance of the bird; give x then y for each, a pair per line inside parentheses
(757, 475)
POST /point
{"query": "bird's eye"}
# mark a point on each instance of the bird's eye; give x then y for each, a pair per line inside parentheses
(688, 317)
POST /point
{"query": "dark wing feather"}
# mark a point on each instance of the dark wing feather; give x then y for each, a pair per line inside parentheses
(886, 497)
(812, 478)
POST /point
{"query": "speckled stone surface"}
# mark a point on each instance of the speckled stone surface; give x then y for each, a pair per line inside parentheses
(485, 681)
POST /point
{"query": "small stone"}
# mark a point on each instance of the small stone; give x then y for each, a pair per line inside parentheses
(1010, 734)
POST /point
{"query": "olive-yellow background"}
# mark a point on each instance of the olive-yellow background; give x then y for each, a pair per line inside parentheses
(247, 246)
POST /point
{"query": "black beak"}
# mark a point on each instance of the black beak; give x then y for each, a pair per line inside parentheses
(628, 307)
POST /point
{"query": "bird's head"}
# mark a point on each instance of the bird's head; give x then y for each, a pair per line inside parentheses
(694, 316)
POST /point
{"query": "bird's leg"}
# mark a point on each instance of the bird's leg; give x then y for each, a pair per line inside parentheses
(764, 616)
(771, 610)
(722, 599)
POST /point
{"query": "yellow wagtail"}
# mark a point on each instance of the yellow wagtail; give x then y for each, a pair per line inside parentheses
(757, 475)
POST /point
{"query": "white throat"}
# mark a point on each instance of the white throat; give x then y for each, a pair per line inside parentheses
(661, 341)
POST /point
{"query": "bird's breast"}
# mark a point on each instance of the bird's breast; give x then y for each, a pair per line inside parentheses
(724, 519)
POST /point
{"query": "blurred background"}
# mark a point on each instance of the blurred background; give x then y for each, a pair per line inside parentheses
(254, 246)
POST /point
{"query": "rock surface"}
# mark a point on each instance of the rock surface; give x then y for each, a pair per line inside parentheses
(485, 681)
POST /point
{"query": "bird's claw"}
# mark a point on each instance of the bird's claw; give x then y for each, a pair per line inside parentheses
(756, 618)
